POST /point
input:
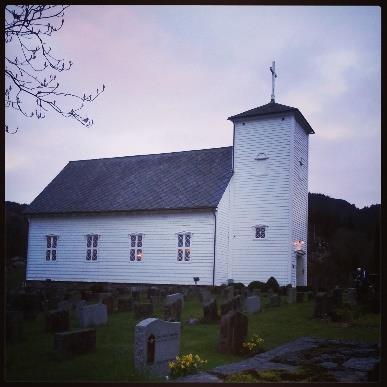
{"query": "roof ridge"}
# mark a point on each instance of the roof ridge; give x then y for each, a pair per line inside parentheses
(151, 154)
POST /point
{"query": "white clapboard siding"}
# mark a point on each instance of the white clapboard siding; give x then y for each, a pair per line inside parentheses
(258, 198)
(222, 238)
(300, 197)
(159, 264)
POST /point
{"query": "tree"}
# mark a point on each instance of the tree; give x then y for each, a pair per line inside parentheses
(30, 67)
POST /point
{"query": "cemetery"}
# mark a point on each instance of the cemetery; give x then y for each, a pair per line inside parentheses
(236, 333)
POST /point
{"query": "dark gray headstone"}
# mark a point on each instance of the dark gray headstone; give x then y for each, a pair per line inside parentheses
(124, 303)
(233, 332)
(171, 298)
(321, 305)
(67, 344)
(291, 293)
(300, 297)
(274, 299)
(210, 311)
(57, 320)
(349, 297)
(156, 342)
(172, 311)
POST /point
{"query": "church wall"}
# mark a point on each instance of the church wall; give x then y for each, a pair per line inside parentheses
(300, 196)
(159, 264)
(222, 238)
(261, 192)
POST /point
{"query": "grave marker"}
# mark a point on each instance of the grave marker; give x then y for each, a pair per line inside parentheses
(93, 315)
(252, 304)
(156, 342)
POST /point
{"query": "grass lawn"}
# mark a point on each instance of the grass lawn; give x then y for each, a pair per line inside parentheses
(31, 359)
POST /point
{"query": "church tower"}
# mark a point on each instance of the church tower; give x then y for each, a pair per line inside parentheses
(269, 195)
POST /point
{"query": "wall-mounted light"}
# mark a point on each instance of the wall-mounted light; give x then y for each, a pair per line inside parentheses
(196, 280)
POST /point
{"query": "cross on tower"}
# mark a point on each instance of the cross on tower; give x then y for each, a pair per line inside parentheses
(273, 76)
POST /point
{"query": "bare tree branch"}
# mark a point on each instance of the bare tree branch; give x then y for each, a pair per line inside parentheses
(31, 87)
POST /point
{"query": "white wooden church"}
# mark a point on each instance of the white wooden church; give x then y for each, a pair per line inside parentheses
(234, 213)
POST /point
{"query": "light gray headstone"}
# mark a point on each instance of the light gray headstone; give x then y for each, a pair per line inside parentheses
(253, 304)
(171, 298)
(292, 294)
(78, 306)
(93, 315)
(166, 337)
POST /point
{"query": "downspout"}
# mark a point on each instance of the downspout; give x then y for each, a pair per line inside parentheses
(213, 267)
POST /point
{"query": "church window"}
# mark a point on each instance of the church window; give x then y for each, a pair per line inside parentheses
(260, 231)
(92, 247)
(184, 247)
(52, 242)
(136, 253)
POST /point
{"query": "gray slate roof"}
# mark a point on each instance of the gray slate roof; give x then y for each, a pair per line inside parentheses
(192, 179)
(274, 108)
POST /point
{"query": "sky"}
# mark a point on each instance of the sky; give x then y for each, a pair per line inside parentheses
(174, 74)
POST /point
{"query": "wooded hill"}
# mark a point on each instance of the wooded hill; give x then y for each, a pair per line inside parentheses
(341, 237)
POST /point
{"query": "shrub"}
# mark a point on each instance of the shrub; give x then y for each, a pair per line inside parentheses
(253, 346)
(256, 285)
(272, 284)
(185, 365)
(238, 285)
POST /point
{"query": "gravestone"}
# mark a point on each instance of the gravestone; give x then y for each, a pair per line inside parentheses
(64, 305)
(156, 343)
(237, 303)
(291, 293)
(108, 300)
(252, 304)
(210, 311)
(310, 295)
(172, 311)
(75, 342)
(321, 305)
(143, 309)
(256, 292)
(270, 292)
(228, 293)
(123, 290)
(226, 307)
(93, 315)
(14, 325)
(90, 296)
(233, 332)
(274, 299)
(338, 296)
(124, 304)
(153, 293)
(350, 297)
(173, 297)
(78, 306)
(57, 320)
(135, 293)
(205, 296)
(300, 297)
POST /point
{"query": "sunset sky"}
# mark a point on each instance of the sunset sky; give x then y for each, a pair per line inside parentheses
(173, 75)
